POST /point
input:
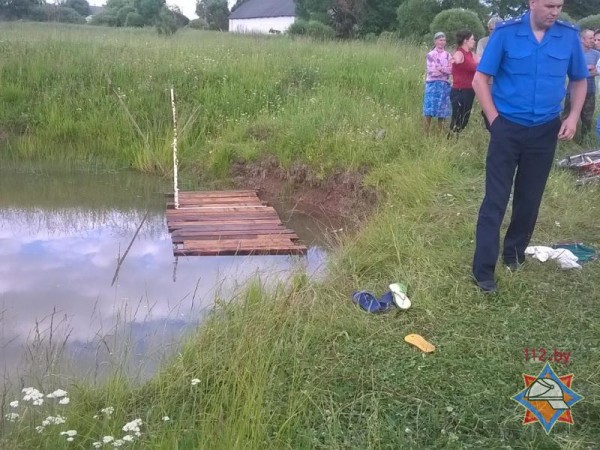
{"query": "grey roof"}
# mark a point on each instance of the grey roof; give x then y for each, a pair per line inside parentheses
(252, 9)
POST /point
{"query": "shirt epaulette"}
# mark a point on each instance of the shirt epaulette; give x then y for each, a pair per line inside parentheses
(506, 23)
(567, 24)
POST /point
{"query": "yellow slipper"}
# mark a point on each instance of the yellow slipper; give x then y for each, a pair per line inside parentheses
(420, 342)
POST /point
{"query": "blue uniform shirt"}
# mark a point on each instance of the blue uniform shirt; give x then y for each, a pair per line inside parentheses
(529, 76)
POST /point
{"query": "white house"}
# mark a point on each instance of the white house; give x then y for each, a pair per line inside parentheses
(263, 16)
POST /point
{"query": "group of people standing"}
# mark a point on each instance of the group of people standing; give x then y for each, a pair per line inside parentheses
(444, 99)
(520, 84)
(448, 84)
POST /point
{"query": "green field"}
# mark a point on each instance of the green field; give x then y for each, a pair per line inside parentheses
(302, 367)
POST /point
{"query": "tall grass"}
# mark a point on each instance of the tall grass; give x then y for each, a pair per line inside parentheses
(300, 366)
(83, 94)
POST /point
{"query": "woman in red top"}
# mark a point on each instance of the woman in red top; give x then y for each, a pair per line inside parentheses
(463, 70)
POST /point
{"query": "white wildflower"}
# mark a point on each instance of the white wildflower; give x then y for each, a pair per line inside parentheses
(195, 381)
(70, 439)
(107, 439)
(40, 428)
(57, 394)
(118, 443)
(69, 433)
(166, 418)
(14, 404)
(32, 394)
(107, 411)
(134, 426)
(128, 438)
(37, 402)
(96, 416)
(11, 417)
(50, 420)
(64, 401)
(97, 444)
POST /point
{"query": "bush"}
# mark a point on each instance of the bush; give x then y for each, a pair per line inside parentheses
(452, 20)
(298, 28)
(319, 31)
(68, 15)
(198, 24)
(166, 23)
(590, 22)
(566, 18)
(415, 17)
(389, 36)
(134, 19)
(53, 13)
(105, 18)
(370, 37)
(122, 15)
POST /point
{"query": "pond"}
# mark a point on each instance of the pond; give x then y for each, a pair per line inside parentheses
(61, 298)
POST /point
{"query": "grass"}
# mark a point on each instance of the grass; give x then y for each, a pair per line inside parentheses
(299, 366)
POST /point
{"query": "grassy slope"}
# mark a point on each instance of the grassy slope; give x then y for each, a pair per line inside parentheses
(302, 367)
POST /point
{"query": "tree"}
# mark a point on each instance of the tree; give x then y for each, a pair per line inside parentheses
(149, 9)
(165, 22)
(17, 9)
(452, 20)
(590, 22)
(415, 17)
(81, 6)
(508, 8)
(345, 15)
(314, 10)
(215, 12)
(579, 9)
(379, 15)
(472, 5)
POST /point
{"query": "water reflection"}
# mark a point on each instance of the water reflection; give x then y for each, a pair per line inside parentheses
(60, 241)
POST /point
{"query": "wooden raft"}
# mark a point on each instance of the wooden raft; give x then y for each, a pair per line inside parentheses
(228, 223)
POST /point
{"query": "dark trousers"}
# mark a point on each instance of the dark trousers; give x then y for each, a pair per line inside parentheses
(530, 152)
(462, 103)
(587, 113)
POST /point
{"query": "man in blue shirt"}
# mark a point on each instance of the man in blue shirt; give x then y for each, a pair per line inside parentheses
(529, 58)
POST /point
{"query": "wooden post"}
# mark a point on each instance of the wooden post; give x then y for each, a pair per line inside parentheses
(175, 162)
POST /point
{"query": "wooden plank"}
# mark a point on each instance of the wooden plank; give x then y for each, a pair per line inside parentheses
(244, 244)
(213, 193)
(222, 209)
(171, 207)
(228, 223)
(224, 201)
(230, 227)
(221, 219)
(219, 212)
(255, 252)
(185, 223)
(211, 235)
(239, 244)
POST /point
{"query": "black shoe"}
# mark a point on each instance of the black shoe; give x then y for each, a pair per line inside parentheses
(487, 287)
(513, 266)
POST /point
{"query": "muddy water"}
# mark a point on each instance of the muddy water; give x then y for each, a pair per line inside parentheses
(61, 237)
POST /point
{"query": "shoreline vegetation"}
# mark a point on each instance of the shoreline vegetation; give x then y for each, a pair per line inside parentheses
(300, 366)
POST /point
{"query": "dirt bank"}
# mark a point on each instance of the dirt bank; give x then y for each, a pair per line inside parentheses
(339, 195)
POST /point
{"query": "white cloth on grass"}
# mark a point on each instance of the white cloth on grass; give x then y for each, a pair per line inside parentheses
(565, 258)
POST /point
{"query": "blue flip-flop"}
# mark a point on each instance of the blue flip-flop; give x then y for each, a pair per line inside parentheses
(367, 301)
(386, 301)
